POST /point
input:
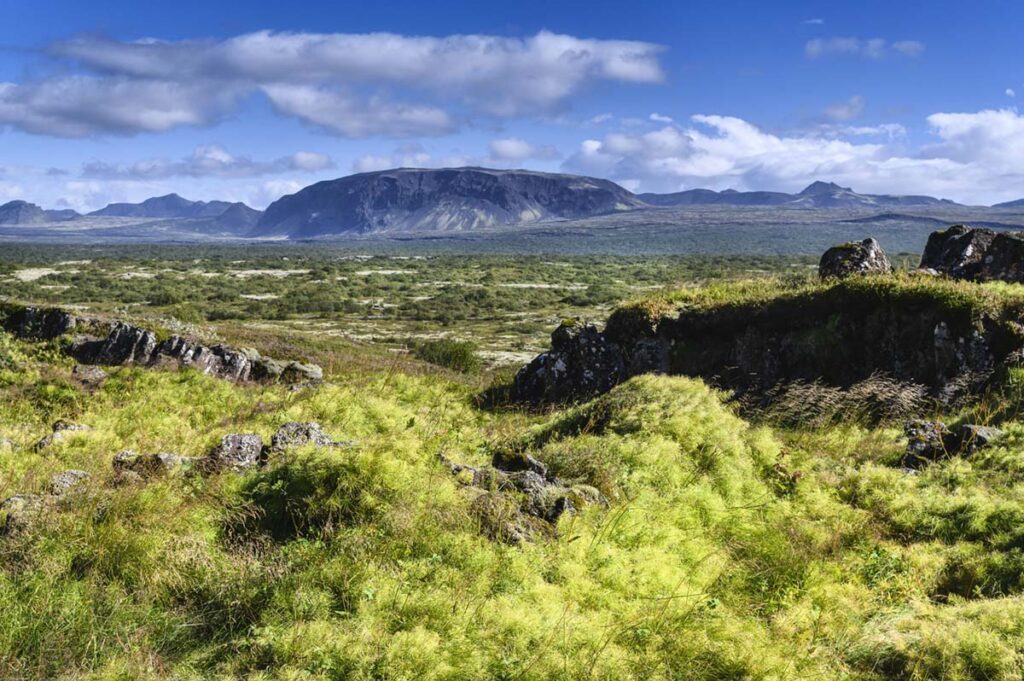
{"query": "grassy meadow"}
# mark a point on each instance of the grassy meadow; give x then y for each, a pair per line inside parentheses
(732, 545)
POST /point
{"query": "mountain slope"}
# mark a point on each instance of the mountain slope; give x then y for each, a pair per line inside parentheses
(451, 199)
(25, 213)
(816, 195)
(214, 216)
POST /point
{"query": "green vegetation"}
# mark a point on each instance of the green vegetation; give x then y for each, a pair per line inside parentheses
(774, 548)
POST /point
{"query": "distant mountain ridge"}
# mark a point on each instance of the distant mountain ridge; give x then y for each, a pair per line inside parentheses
(25, 213)
(816, 195)
(449, 199)
(219, 215)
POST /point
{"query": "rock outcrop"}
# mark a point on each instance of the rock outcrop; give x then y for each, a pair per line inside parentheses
(840, 334)
(58, 432)
(299, 434)
(863, 257)
(963, 252)
(118, 343)
(21, 511)
(517, 500)
(929, 441)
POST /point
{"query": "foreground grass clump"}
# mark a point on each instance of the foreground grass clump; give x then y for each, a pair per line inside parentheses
(726, 551)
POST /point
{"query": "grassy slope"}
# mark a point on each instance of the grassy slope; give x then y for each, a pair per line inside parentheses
(728, 550)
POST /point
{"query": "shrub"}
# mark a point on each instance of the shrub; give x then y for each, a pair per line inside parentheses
(451, 354)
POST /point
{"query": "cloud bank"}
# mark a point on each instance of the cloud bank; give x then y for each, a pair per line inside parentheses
(352, 85)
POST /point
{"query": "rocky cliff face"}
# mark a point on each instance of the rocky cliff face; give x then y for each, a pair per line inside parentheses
(25, 213)
(439, 200)
(116, 343)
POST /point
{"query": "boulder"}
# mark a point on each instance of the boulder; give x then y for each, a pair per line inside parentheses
(125, 344)
(582, 363)
(88, 375)
(66, 482)
(958, 251)
(299, 434)
(297, 372)
(147, 466)
(929, 441)
(1004, 259)
(854, 258)
(19, 511)
(235, 452)
(59, 432)
(971, 438)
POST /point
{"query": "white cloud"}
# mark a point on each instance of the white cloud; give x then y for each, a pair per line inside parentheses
(872, 48)
(207, 161)
(1010, 92)
(515, 150)
(845, 111)
(813, 22)
(600, 119)
(332, 81)
(977, 157)
(659, 118)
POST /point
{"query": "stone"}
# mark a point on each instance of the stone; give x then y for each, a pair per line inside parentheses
(926, 442)
(854, 258)
(148, 465)
(6, 444)
(297, 372)
(60, 430)
(66, 482)
(299, 434)
(582, 363)
(90, 376)
(958, 251)
(1004, 259)
(237, 452)
(19, 511)
(972, 438)
(267, 370)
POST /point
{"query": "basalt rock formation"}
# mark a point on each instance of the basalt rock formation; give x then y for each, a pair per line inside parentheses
(975, 254)
(912, 330)
(845, 260)
(116, 343)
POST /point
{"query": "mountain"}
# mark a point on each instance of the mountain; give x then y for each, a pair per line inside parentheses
(25, 213)
(411, 199)
(1019, 203)
(216, 216)
(816, 195)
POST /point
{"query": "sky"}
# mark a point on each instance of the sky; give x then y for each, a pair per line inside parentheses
(108, 100)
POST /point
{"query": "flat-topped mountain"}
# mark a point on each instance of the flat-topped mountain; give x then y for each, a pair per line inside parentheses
(25, 213)
(216, 215)
(816, 195)
(412, 199)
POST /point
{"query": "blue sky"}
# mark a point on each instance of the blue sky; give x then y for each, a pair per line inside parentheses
(111, 100)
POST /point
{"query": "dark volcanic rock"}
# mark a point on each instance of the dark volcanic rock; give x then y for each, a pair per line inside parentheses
(1004, 259)
(19, 512)
(125, 344)
(958, 251)
(38, 323)
(147, 466)
(449, 199)
(582, 363)
(59, 432)
(89, 375)
(298, 434)
(66, 482)
(929, 441)
(854, 258)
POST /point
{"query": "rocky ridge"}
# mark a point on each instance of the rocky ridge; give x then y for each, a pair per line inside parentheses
(115, 343)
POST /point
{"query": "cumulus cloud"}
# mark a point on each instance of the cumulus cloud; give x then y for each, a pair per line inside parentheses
(332, 81)
(871, 48)
(845, 111)
(1010, 92)
(975, 157)
(207, 161)
(517, 150)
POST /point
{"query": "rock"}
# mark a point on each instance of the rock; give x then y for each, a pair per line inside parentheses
(298, 434)
(148, 465)
(267, 370)
(582, 363)
(90, 376)
(511, 462)
(854, 258)
(65, 482)
(971, 438)
(6, 444)
(502, 520)
(60, 429)
(296, 372)
(235, 452)
(958, 251)
(1004, 259)
(39, 323)
(19, 511)
(926, 442)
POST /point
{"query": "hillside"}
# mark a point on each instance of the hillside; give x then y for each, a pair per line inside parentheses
(25, 213)
(454, 199)
(210, 216)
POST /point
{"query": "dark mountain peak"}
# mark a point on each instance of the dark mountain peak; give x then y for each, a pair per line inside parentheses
(20, 212)
(820, 187)
(443, 199)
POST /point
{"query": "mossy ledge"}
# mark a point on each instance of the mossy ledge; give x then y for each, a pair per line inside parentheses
(945, 335)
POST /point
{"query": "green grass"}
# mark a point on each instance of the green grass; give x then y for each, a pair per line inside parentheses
(729, 549)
